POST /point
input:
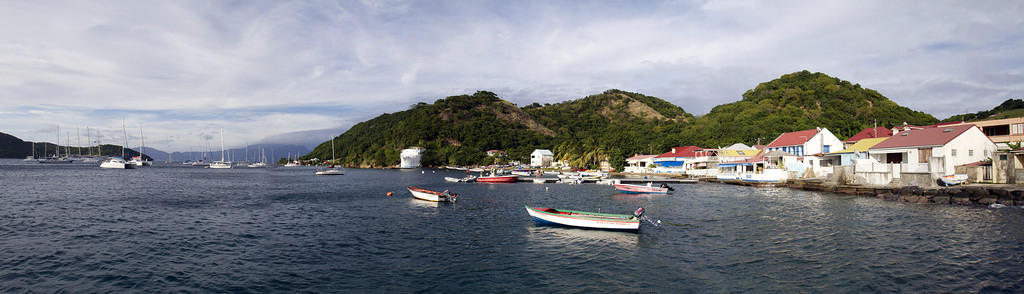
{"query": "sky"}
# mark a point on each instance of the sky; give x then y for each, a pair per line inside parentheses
(303, 71)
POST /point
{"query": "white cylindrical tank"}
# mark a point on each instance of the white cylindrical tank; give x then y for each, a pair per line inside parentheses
(411, 157)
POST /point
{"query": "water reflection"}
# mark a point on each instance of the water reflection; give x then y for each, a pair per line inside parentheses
(576, 238)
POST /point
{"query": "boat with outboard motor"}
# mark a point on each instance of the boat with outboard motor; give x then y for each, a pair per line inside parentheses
(639, 189)
(430, 195)
(584, 219)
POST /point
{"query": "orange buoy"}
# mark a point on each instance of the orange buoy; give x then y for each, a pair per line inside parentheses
(389, 194)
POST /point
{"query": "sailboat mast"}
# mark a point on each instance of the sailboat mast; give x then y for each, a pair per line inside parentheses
(142, 146)
(78, 133)
(222, 144)
(333, 158)
(125, 132)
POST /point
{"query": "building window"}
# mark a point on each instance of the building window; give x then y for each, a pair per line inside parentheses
(954, 153)
(1002, 157)
(1017, 128)
(970, 152)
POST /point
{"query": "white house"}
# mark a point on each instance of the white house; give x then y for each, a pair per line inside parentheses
(806, 142)
(541, 158)
(934, 150)
(640, 164)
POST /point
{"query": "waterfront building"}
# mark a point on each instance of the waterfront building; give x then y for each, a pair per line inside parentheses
(681, 159)
(640, 164)
(541, 158)
(411, 157)
(858, 150)
(868, 133)
(920, 156)
(817, 140)
(1001, 131)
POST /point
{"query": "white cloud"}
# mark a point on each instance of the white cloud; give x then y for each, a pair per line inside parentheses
(259, 69)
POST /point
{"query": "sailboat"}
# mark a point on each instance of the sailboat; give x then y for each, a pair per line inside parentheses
(118, 162)
(221, 163)
(262, 161)
(332, 170)
(56, 158)
(141, 160)
(33, 156)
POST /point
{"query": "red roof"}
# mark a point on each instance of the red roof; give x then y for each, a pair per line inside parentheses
(870, 133)
(793, 138)
(923, 137)
(759, 147)
(688, 151)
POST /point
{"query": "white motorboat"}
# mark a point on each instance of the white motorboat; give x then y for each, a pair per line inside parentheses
(117, 163)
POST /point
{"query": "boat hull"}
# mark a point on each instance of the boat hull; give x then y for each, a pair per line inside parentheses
(330, 172)
(116, 164)
(582, 219)
(498, 179)
(428, 195)
(636, 189)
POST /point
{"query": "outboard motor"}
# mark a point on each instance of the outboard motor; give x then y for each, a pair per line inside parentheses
(453, 197)
(663, 185)
(639, 213)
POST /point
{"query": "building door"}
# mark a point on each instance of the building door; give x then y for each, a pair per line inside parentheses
(894, 158)
(924, 154)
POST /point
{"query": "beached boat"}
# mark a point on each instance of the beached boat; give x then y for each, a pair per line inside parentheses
(498, 179)
(638, 189)
(430, 195)
(953, 180)
(585, 219)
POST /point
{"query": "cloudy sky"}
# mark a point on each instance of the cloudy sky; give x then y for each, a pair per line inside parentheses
(183, 70)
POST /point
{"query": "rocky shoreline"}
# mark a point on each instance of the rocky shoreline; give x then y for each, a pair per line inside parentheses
(983, 195)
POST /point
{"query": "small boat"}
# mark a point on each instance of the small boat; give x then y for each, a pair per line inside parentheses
(498, 179)
(476, 170)
(638, 189)
(953, 180)
(540, 180)
(429, 195)
(524, 172)
(330, 172)
(585, 219)
(465, 179)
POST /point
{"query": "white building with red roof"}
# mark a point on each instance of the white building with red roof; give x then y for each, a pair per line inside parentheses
(934, 150)
(681, 159)
(806, 142)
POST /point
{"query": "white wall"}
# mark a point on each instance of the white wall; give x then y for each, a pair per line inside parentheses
(823, 137)
(972, 139)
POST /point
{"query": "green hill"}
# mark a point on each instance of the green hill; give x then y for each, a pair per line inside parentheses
(612, 125)
(457, 130)
(1008, 109)
(12, 147)
(798, 101)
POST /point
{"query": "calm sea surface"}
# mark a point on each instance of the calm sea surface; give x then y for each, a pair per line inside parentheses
(79, 228)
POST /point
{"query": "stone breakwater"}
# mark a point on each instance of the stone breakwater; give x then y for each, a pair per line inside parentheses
(967, 195)
(961, 195)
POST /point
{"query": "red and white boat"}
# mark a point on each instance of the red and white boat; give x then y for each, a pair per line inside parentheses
(638, 189)
(498, 179)
(429, 195)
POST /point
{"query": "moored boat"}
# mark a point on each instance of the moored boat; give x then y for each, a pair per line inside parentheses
(330, 172)
(498, 179)
(469, 178)
(638, 189)
(116, 163)
(583, 219)
(430, 195)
